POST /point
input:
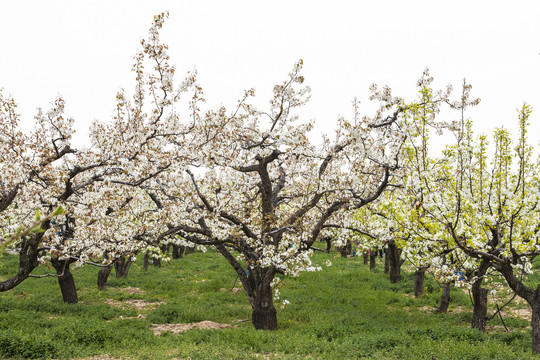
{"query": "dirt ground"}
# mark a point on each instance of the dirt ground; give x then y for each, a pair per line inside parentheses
(178, 328)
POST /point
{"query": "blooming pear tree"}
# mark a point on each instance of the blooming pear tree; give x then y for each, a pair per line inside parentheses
(28, 159)
(260, 192)
(109, 212)
(493, 214)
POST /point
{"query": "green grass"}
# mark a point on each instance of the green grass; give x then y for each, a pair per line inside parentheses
(343, 312)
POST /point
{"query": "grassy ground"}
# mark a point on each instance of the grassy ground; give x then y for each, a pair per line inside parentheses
(343, 312)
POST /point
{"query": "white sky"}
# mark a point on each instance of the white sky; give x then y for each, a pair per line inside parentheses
(83, 51)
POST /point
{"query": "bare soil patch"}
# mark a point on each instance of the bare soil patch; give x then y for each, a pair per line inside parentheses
(134, 303)
(131, 290)
(179, 328)
(522, 313)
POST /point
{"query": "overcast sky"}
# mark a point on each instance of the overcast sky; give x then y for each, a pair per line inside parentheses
(83, 51)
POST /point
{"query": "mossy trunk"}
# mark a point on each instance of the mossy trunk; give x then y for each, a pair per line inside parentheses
(103, 276)
(419, 276)
(65, 280)
(445, 298)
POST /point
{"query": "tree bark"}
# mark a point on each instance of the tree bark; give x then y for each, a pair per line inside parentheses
(328, 244)
(386, 262)
(366, 258)
(156, 261)
(176, 251)
(529, 295)
(103, 276)
(145, 261)
(65, 280)
(165, 248)
(264, 315)
(394, 255)
(346, 250)
(480, 298)
(372, 258)
(419, 276)
(445, 299)
(28, 260)
(535, 323)
(121, 266)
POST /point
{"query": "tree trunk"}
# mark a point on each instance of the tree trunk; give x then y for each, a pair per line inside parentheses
(366, 258)
(535, 324)
(419, 276)
(156, 261)
(65, 280)
(121, 266)
(394, 255)
(145, 261)
(480, 298)
(372, 258)
(386, 262)
(28, 259)
(175, 251)
(103, 275)
(165, 248)
(264, 315)
(445, 299)
(346, 250)
(328, 244)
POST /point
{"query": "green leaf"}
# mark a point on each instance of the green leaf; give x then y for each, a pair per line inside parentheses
(59, 211)
(37, 229)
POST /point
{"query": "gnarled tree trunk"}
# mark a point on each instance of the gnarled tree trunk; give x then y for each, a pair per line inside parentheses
(528, 294)
(103, 276)
(28, 260)
(121, 266)
(65, 280)
(256, 283)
